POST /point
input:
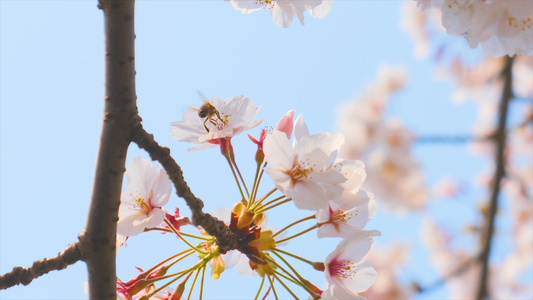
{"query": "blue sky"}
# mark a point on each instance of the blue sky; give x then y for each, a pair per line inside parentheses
(51, 81)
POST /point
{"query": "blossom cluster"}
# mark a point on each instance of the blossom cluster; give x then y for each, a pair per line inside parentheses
(284, 11)
(384, 144)
(500, 26)
(306, 171)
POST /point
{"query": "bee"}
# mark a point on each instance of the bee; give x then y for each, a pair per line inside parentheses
(209, 112)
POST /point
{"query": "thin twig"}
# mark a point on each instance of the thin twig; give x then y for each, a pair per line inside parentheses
(226, 239)
(24, 276)
(507, 95)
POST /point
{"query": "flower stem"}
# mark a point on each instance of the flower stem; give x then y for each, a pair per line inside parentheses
(168, 259)
(263, 208)
(287, 277)
(182, 233)
(260, 288)
(232, 158)
(202, 283)
(256, 204)
(298, 234)
(300, 280)
(294, 223)
(294, 255)
(285, 286)
(181, 237)
(254, 190)
(193, 283)
(272, 286)
(179, 275)
(235, 176)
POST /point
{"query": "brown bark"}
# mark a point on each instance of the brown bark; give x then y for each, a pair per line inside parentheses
(98, 241)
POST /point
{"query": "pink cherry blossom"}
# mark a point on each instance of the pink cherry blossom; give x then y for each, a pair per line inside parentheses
(236, 116)
(346, 270)
(353, 213)
(140, 206)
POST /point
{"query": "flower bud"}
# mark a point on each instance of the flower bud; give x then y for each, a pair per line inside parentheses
(285, 124)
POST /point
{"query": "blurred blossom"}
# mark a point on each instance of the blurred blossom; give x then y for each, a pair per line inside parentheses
(420, 26)
(388, 262)
(394, 175)
(500, 26)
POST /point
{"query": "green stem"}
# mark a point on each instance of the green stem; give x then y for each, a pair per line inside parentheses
(295, 256)
(181, 237)
(260, 288)
(193, 283)
(300, 278)
(238, 171)
(182, 233)
(235, 175)
(285, 286)
(167, 259)
(202, 282)
(287, 277)
(294, 223)
(263, 208)
(298, 234)
(256, 204)
(273, 289)
(254, 187)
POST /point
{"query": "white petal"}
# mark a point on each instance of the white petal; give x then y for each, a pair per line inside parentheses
(162, 189)
(141, 175)
(300, 129)
(278, 151)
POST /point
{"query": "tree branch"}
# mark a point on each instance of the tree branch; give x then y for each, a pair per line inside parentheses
(226, 239)
(500, 140)
(19, 275)
(98, 241)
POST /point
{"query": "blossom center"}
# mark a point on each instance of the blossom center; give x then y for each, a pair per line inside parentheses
(342, 269)
(301, 170)
(266, 3)
(140, 204)
(523, 25)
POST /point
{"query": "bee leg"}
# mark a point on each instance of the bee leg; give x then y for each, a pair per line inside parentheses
(205, 126)
(218, 116)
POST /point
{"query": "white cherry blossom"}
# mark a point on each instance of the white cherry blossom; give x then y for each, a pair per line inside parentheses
(353, 213)
(283, 11)
(346, 271)
(140, 206)
(234, 117)
(306, 171)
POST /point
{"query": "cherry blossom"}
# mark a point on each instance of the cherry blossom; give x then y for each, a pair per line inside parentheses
(234, 117)
(305, 172)
(500, 26)
(148, 190)
(388, 262)
(353, 213)
(346, 271)
(283, 11)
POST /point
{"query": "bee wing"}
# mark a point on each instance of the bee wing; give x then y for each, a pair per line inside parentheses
(202, 96)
